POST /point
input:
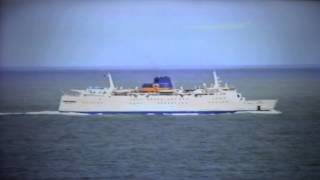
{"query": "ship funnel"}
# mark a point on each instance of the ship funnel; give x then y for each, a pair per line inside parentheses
(111, 85)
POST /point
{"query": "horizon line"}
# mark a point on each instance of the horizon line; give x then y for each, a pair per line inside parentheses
(283, 66)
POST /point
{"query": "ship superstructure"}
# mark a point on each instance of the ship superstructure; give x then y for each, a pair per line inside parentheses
(161, 97)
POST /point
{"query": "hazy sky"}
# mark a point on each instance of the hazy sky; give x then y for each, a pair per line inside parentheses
(158, 33)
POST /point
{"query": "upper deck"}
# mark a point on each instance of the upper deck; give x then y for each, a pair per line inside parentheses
(160, 86)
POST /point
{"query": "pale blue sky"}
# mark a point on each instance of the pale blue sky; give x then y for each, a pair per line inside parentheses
(159, 33)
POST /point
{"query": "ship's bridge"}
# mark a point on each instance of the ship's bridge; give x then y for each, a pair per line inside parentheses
(96, 90)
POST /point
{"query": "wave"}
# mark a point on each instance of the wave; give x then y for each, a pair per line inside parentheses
(43, 113)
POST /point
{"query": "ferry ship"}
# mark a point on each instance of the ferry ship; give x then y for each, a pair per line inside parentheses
(160, 96)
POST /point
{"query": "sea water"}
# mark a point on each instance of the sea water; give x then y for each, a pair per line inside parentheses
(38, 142)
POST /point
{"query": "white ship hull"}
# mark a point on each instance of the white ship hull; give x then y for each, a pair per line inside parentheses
(160, 104)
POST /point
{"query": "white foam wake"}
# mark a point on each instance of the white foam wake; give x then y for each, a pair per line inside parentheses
(259, 112)
(43, 113)
(171, 114)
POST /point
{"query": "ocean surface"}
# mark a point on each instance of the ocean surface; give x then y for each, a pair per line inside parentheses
(37, 142)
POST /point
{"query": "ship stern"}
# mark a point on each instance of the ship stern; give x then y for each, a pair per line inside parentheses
(266, 105)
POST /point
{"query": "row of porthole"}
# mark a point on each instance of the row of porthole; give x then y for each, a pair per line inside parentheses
(171, 100)
(160, 99)
(219, 98)
(218, 101)
(160, 103)
(98, 102)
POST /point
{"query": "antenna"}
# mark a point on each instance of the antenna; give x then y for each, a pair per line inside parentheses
(204, 85)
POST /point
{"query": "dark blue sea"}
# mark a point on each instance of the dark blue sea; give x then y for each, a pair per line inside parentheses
(37, 142)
